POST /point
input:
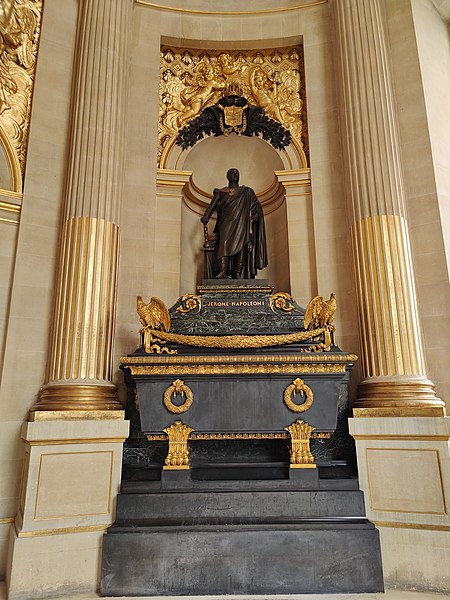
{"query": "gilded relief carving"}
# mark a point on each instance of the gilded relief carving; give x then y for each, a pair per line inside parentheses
(19, 36)
(298, 386)
(162, 437)
(320, 313)
(244, 369)
(178, 387)
(193, 79)
(301, 456)
(284, 302)
(178, 453)
(188, 303)
(228, 341)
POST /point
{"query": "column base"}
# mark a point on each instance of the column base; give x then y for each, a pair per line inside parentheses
(404, 471)
(77, 401)
(71, 476)
(398, 397)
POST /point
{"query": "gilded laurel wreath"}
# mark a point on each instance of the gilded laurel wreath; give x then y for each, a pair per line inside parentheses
(298, 386)
(178, 387)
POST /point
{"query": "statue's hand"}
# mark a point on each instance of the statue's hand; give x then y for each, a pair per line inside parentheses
(204, 219)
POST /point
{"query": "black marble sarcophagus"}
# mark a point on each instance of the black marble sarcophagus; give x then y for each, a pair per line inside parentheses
(237, 360)
(245, 396)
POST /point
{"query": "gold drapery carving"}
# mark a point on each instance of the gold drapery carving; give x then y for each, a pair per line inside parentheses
(192, 79)
(228, 341)
(20, 22)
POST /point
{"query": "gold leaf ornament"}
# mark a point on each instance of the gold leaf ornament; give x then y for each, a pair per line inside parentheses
(178, 387)
(298, 386)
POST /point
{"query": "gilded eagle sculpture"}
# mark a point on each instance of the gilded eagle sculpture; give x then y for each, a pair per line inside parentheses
(153, 315)
(320, 314)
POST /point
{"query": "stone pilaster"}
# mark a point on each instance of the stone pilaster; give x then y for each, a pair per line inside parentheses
(394, 375)
(300, 230)
(80, 362)
(170, 184)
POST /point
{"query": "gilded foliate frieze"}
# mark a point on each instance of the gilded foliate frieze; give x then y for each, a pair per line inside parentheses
(20, 22)
(192, 79)
(162, 437)
(242, 369)
(229, 359)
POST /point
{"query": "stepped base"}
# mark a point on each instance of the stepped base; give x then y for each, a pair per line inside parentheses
(295, 559)
(246, 540)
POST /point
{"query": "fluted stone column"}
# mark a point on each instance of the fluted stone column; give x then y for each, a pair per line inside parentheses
(80, 362)
(394, 376)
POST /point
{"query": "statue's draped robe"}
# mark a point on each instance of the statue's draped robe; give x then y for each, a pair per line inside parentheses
(240, 226)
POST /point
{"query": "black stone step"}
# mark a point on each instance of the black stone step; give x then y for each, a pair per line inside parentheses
(142, 484)
(239, 505)
(262, 560)
(217, 524)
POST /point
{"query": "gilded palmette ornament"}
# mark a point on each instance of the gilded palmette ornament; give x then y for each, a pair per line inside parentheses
(178, 455)
(301, 456)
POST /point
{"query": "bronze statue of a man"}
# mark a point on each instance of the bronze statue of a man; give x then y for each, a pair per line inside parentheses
(242, 246)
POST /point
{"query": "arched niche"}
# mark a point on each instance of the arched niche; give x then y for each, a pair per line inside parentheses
(257, 162)
(184, 189)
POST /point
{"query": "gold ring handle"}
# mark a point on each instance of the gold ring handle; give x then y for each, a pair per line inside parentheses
(178, 387)
(298, 386)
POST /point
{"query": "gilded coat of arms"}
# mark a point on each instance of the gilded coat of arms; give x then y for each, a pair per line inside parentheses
(233, 115)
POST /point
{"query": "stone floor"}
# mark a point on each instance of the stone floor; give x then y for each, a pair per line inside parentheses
(388, 595)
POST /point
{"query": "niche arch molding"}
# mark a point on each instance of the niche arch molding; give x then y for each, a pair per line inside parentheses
(10, 160)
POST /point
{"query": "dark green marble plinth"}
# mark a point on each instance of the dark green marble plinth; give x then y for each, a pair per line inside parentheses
(237, 306)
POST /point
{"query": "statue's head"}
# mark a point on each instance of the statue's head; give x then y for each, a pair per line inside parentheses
(232, 175)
